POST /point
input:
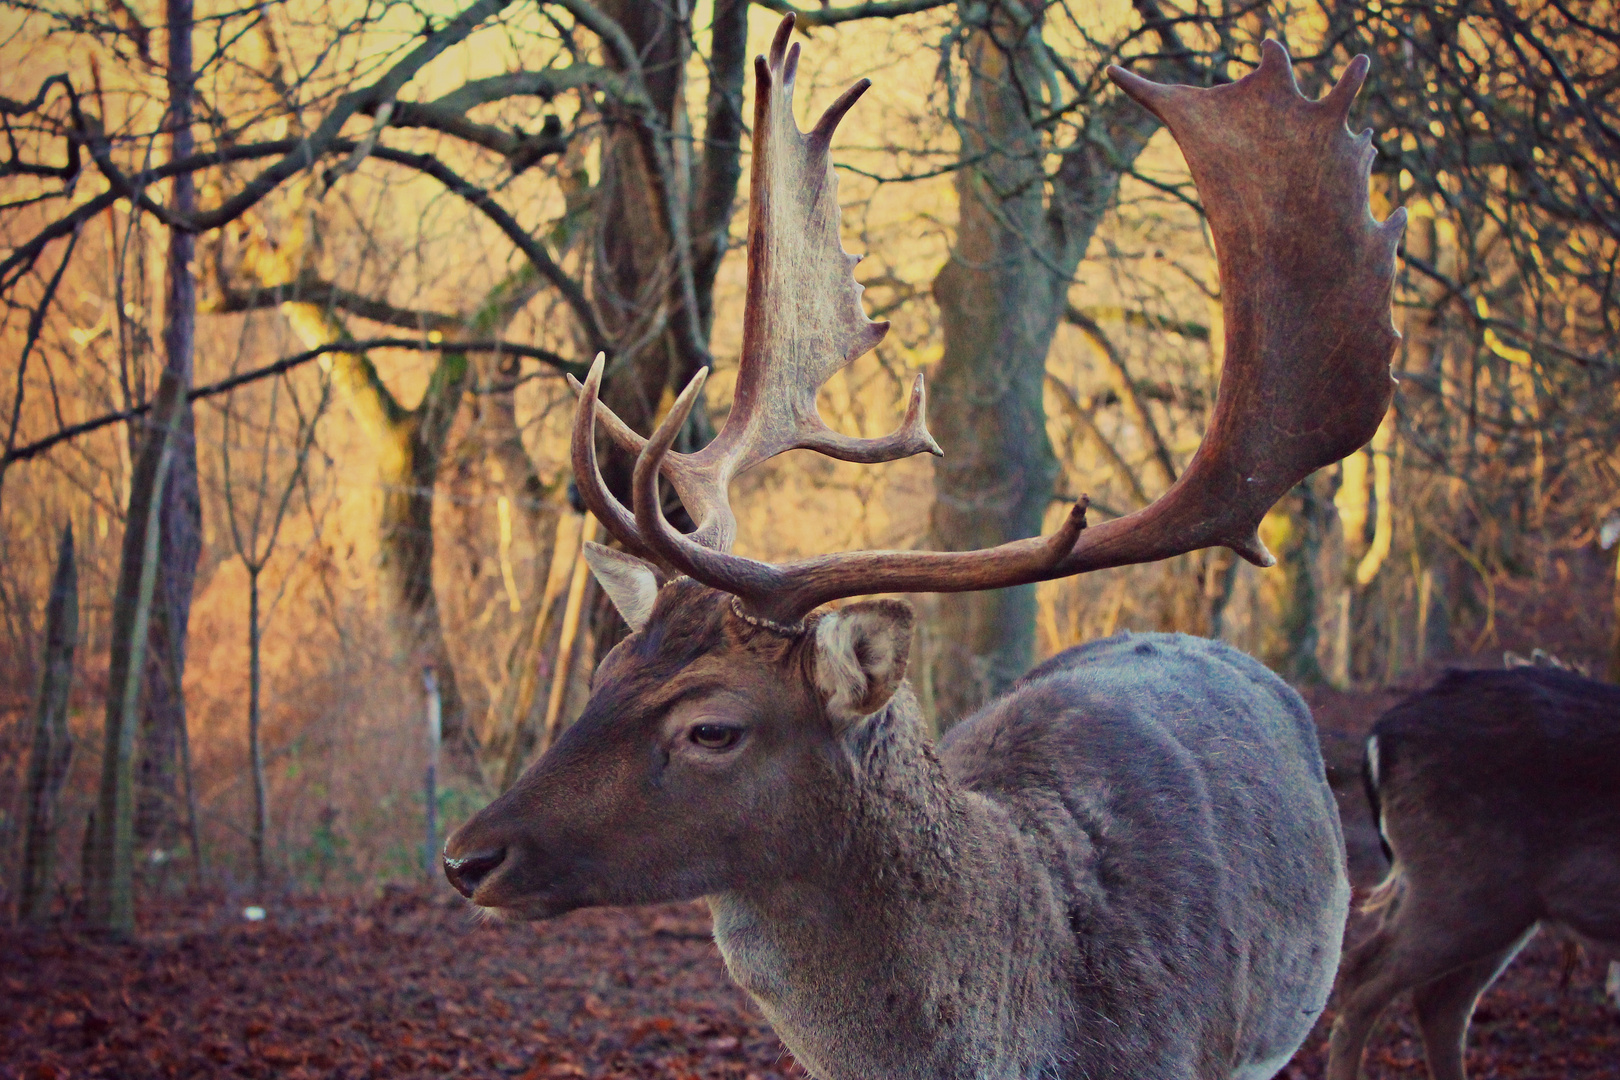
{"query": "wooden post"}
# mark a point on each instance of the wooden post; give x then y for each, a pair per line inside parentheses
(564, 554)
(570, 631)
(430, 851)
(52, 750)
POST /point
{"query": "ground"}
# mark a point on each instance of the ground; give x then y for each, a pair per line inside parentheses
(409, 983)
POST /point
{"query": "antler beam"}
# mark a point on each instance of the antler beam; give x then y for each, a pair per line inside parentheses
(1307, 278)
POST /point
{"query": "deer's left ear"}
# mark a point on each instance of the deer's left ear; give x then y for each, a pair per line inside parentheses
(631, 584)
(861, 655)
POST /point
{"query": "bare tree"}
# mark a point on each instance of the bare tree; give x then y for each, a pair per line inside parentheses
(52, 751)
(257, 500)
(110, 897)
(161, 754)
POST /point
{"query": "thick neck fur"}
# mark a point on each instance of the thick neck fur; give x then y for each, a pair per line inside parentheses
(893, 933)
(901, 808)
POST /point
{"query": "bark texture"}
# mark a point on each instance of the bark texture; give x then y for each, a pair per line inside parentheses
(1303, 524)
(1020, 236)
(636, 283)
(634, 270)
(158, 766)
(52, 749)
(110, 856)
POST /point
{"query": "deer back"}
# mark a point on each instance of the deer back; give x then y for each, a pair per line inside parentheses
(1193, 838)
(1497, 780)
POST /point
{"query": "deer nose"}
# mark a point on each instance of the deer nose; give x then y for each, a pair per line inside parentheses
(466, 872)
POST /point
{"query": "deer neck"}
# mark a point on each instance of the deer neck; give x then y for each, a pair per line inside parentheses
(895, 927)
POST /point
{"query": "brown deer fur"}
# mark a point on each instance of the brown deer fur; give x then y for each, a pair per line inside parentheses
(1498, 796)
(1130, 866)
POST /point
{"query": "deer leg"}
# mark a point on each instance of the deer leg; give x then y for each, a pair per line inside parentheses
(1394, 960)
(1444, 1006)
(1367, 983)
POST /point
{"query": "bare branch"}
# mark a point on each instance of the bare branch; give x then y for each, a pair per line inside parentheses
(1127, 389)
(311, 290)
(521, 149)
(545, 84)
(531, 247)
(324, 138)
(871, 9)
(561, 365)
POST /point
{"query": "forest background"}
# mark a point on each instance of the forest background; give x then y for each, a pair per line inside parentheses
(289, 290)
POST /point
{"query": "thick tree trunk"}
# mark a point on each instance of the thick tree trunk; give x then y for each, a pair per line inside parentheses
(159, 796)
(720, 167)
(407, 550)
(110, 882)
(996, 478)
(1297, 530)
(1020, 236)
(52, 750)
(636, 284)
(633, 273)
(411, 444)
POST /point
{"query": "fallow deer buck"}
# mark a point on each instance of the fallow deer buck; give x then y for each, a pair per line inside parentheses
(1498, 797)
(1131, 864)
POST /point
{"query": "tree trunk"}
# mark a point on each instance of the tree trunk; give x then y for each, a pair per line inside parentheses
(998, 305)
(163, 715)
(407, 548)
(1000, 298)
(52, 750)
(261, 797)
(633, 272)
(169, 615)
(1296, 531)
(635, 282)
(411, 444)
(110, 886)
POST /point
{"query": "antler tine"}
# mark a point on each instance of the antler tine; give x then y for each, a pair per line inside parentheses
(1307, 278)
(686, 554)
(783, 594)
(803, 322)
(803, 319)
(587, 475)
(617, 430)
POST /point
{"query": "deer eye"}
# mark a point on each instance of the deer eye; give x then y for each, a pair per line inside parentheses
(714, 736)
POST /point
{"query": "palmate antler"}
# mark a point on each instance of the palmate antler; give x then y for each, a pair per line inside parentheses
(803, 322)
(1306, 278)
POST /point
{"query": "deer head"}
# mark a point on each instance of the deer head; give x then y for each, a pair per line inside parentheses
(723, 741)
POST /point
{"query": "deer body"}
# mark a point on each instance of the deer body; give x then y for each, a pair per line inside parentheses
(1498, 795)
(1129, 866)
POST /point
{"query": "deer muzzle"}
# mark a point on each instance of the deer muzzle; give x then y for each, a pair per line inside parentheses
(466, 872)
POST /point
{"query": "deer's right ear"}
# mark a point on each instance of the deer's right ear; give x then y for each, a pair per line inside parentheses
(861, 655)
(631, 584)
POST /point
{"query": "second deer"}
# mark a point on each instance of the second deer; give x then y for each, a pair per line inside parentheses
(1129, 866)
(1497, 794)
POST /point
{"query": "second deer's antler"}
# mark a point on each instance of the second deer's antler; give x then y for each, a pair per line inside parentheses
(1306, 274)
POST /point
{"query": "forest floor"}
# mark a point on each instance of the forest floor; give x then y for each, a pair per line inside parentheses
(409, 983)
